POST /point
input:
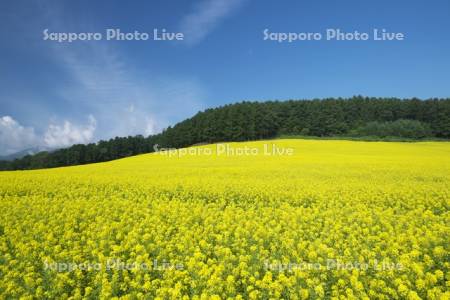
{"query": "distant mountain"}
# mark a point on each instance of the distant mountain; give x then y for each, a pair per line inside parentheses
(22, 153)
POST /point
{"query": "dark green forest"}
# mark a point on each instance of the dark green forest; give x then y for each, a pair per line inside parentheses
(354, 117)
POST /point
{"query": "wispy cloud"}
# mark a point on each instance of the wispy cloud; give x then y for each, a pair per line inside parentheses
(124, 98)
(206, 16)
(124, 101)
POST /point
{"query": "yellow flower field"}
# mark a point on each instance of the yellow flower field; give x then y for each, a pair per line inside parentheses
(335, 219)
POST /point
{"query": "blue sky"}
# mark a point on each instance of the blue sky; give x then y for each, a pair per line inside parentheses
(56, 94)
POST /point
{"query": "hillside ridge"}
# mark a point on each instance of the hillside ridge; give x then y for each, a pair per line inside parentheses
(354, 117)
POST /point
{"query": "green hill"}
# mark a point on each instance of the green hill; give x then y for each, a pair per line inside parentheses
(357, 116)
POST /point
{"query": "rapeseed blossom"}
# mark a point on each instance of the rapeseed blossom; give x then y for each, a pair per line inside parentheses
(335, 220)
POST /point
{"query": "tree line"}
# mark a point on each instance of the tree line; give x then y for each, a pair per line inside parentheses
(357, 116)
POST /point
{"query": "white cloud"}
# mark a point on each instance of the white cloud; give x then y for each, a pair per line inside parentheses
(15, 137)
(68, 134)
(206, 16)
